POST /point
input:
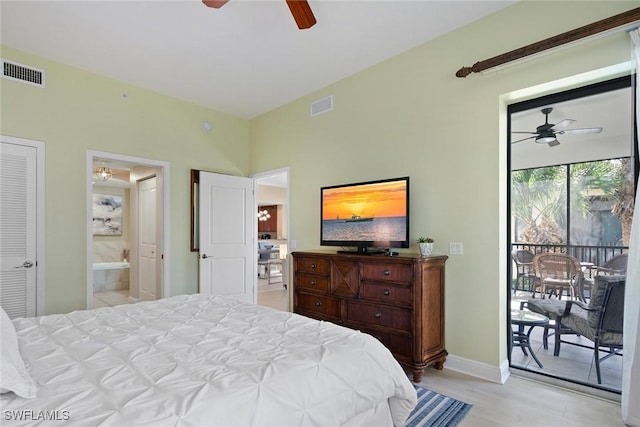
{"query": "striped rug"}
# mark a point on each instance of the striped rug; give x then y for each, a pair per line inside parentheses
(436, 410)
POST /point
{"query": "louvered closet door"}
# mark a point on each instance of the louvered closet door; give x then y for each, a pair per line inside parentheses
(18, 229)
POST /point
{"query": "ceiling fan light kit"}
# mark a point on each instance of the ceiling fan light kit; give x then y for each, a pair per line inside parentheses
(545, 138)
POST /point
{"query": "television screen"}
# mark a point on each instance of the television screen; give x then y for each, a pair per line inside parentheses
(366, 214)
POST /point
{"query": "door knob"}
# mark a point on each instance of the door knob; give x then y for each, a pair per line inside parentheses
(205, 256)
(26, 264)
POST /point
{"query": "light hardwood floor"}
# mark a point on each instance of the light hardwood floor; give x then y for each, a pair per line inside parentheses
(522, 402)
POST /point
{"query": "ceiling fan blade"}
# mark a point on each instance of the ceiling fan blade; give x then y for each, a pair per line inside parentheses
(302, 13)
(523, 139)
(579, 131)
(563, 124)
(216, 4)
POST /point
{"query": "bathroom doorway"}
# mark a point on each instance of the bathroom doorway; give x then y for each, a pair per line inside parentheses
(127, 257)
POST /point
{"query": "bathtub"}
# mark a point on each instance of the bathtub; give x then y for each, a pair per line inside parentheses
(110, 265)
(110, 276)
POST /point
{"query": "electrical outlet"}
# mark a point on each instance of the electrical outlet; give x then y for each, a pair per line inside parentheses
(455, 248)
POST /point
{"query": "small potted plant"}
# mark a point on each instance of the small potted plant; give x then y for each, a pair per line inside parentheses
(426, 245)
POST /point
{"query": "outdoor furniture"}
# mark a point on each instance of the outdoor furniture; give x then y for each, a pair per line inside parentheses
(522, 339)
(525, 274)
(601, 321)
(616, 266)
(554, 310)
(558, 272)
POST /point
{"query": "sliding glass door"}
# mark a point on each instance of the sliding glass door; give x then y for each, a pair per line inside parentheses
(573, 177)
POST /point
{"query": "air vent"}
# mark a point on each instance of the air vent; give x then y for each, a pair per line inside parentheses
(22, 73)
(322, 106)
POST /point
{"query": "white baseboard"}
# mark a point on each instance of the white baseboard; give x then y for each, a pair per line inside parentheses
(496, 374)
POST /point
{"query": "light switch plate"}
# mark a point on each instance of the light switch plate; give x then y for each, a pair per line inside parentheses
(455, 248)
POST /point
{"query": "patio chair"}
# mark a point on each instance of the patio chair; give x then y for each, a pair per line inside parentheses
(600, 321)
(558, 272)
(616, 266)
(525, 274)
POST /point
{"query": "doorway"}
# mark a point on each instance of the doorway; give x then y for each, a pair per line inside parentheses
(272, 222)
(127, 258)
(571, 162)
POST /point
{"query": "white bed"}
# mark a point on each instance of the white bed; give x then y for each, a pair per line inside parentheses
(202, 360)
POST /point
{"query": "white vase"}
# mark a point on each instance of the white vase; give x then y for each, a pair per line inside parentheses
(426, 249)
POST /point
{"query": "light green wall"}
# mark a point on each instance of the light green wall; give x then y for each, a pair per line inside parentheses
(80, 111)
(411, 116)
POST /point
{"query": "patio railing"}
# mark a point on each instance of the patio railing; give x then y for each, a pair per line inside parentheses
(597, 255)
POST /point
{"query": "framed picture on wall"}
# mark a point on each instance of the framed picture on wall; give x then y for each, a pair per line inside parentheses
(107, 215)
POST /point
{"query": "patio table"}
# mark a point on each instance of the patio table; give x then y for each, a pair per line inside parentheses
(522, 319)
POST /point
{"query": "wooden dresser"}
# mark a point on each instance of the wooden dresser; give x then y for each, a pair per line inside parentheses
(399, 300)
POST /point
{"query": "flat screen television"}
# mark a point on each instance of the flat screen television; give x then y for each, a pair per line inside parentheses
(366, 215)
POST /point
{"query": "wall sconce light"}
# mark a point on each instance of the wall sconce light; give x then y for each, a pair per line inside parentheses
(263, 215)
(103, 173)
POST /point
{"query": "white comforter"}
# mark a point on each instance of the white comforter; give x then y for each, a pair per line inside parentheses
(202, 360)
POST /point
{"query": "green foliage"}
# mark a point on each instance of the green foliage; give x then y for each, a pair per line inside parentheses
(539, 196)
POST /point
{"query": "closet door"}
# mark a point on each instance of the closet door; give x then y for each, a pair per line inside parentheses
(18, 227)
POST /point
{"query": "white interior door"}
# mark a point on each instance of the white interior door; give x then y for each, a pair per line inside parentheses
(228, 249)
(147, 240)
(18, 229)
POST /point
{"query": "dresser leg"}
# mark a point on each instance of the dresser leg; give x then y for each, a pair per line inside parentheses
(417, 375)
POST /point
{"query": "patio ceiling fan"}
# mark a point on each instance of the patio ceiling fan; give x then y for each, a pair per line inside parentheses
(300, 10)
(547, 133)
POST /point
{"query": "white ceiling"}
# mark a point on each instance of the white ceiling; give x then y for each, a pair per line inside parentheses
(244, 59)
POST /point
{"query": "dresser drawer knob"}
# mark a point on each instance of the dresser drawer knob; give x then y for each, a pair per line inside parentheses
(313, 283)
(313, 266)
(387, 292)
(378, 315)
(387, 272)
(318, 303)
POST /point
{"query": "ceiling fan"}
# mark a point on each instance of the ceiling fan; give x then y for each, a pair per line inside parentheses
(300, 10)
(547, 132)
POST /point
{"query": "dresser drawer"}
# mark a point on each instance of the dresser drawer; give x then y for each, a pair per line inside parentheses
(379, 315)
(312, 265)
(311, 282)
(387, 272)
(398, 344)
(388, 293)
(318, 304)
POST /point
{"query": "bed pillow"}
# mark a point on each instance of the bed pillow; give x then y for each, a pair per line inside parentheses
(13, 375)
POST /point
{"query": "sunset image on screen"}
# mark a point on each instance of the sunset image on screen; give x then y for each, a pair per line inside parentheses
(386, 199)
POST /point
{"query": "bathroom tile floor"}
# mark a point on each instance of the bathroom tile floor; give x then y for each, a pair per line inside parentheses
(110, 298)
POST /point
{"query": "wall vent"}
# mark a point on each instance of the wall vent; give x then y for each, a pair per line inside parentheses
(322, 106)
(22, 73)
